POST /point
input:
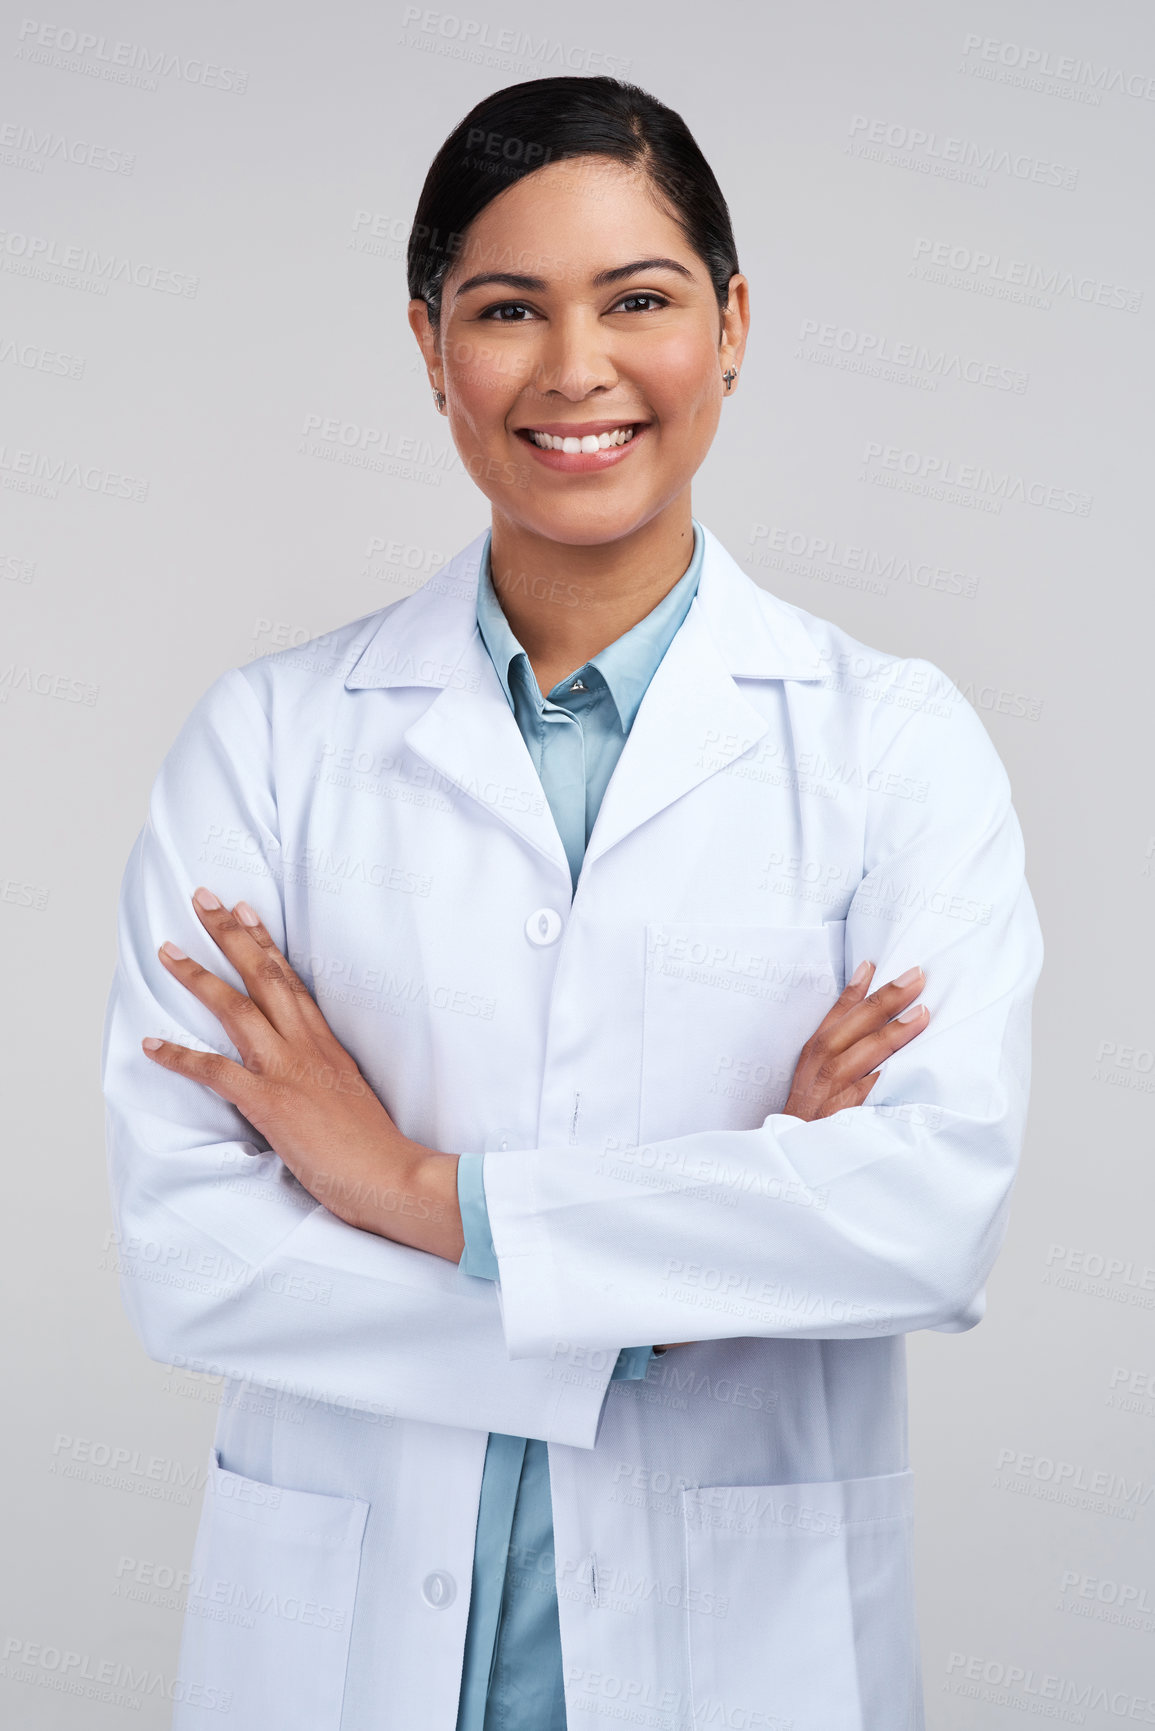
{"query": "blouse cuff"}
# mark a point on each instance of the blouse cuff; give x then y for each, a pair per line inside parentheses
(633, 1363)
(478, 1257)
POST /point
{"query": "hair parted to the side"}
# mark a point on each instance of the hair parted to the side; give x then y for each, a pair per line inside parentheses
(524, 127)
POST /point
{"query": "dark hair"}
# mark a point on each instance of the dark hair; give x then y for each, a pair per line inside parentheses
(514, 131)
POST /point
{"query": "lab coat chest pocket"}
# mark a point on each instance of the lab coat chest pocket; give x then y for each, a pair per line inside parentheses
(728, 1008)
(274, 1576)
(816, 1585)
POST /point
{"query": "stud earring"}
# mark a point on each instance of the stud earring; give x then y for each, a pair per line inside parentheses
(439, 398)
(729, 376)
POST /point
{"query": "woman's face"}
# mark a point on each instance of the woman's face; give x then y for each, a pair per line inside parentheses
(532, 341)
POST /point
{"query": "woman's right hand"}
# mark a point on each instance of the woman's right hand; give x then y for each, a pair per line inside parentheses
(838, 1065)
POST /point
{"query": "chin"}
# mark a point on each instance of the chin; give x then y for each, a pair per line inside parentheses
(584, 528)
(585, 522)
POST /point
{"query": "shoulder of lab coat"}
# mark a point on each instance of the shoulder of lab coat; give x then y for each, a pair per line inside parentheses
(216, 1238)
(883, 1218)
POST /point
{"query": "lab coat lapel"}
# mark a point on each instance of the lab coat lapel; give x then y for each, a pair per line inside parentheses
(468, 733)
(692, 721)
(694, 718)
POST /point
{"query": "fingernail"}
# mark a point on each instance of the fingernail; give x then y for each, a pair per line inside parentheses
(911, 1015)
(173, 954)
(908, 979)
(152, 1044)
(205, 899)
(246, 915)
(860, 973)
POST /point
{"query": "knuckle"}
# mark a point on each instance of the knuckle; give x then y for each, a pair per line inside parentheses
(276, 1096)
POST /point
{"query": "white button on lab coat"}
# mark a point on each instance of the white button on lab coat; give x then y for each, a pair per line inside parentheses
(544, 926)
(733, 1533)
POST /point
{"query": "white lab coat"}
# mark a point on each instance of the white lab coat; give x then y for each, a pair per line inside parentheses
(733, 1542)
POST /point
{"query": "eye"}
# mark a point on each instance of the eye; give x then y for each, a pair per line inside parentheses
(518, 313)
(656, 301)
(505, 307)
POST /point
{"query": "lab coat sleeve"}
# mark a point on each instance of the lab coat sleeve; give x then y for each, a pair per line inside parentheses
(881, 1219)
(478, 1258)
(227, 1264)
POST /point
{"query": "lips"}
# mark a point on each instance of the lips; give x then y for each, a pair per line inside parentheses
(572, 442)
(588, 450)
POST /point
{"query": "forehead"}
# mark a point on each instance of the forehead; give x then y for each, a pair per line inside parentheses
(569, 219)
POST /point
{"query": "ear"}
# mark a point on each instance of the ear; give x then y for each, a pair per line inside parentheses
(735, 323)
(428, 341)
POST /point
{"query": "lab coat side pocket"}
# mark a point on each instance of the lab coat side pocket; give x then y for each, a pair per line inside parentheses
(817, 1585)
(270, 1606)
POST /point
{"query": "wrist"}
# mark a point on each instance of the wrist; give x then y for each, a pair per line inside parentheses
(380, 1191)
(434, 1186)
(416, 1203)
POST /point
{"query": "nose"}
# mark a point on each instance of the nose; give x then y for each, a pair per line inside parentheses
(574, 358)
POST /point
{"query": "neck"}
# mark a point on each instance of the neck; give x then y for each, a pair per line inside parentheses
(567, 600)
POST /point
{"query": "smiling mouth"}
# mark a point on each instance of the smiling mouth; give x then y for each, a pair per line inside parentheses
(584, 444)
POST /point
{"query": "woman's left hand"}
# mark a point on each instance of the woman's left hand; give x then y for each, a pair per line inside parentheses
(298, 1086)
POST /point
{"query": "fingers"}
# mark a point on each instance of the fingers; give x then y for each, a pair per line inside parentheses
(854, 1094)
(279, 1032)
(856, 986)
(871, 1013)
(242, 1020)
(852, 994)
(271, 983)
(874, 1049)
(821, 1098)
(231, 1081)
(838, 1065)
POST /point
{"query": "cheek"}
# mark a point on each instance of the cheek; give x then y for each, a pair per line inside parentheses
(681, 380)
(483, 379)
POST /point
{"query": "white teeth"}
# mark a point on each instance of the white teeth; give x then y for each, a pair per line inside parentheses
(589, 443)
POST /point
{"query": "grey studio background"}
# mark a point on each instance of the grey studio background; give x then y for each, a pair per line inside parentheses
(216, 439)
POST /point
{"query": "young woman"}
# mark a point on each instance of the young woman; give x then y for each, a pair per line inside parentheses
(504, 981)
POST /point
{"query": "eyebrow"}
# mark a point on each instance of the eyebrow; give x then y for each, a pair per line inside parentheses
(603, 279)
